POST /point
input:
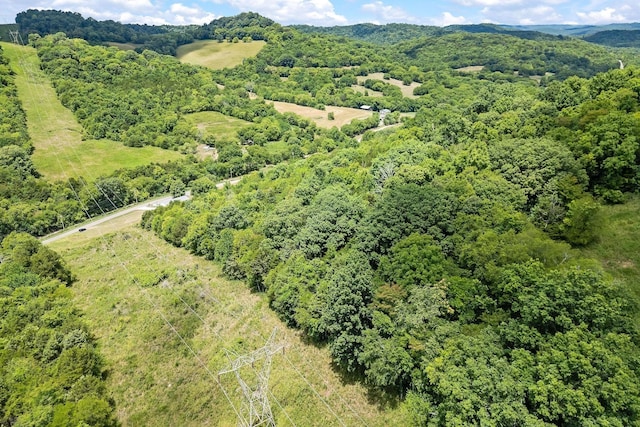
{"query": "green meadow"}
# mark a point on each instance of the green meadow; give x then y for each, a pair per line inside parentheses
(215, 55)
(60, 152)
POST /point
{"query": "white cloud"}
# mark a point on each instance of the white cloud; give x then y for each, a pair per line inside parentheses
(604, 16)
(489, 3)
(104, 4)
(319, 12)
(386, 13)
(524, 16)
(448, 18)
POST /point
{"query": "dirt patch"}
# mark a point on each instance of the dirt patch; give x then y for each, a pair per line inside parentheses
(626, 264)
(207, 152)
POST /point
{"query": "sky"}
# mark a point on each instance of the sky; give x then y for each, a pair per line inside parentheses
(344, 12)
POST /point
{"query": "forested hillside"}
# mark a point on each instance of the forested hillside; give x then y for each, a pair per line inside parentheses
(439, 258)
(436, 261)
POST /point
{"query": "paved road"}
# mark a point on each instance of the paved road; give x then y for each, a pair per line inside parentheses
(144, 206)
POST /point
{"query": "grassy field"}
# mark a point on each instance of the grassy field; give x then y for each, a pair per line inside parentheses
(342, 115)
(60, 152)
(123, 46)
(215, 124)
(211, 54)
(167, 323)
(407, 90)
(618, 245)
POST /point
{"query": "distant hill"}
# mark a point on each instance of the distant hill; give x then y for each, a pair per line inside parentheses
(616, 38)
(573, 30)
(395, 33)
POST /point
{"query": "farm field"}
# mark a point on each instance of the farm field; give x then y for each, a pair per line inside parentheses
(167, 323)
(342, 115)
(407, 90)
(215, 55)
(60, 153)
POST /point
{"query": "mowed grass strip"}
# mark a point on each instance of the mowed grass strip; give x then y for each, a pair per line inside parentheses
(131, 283)
(60, 153)
(342, 115)
(215, 55)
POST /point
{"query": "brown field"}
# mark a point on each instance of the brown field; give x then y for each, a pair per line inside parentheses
(407, 91)
(470, 69)
(214, 55)
(342, 115)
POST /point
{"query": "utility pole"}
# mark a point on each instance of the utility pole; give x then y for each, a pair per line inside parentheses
(15, 37)
(256, 410)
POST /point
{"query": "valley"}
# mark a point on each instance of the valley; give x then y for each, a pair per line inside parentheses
(386, 225)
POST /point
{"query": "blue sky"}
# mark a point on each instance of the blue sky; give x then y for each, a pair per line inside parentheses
(335, 12)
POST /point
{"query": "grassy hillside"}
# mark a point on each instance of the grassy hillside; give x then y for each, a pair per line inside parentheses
(60, 152)
(214, 55)
(618, 245)
(139, 293)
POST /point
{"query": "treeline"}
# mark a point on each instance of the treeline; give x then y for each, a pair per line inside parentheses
(45, 22)
(164, 39)
(395, 33)
(436, 261)
(51, 372)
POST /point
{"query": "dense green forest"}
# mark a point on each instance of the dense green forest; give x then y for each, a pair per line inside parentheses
(439, 260)
(51, 372)
(436, 261)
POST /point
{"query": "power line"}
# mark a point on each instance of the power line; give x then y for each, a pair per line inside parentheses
(256, 394)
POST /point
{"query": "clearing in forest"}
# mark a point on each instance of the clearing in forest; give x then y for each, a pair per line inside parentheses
(342, 115)
(407, 90)
(60, 153)
(215, 55)
(124, 46)
(165, 322)
(217, 125)
(470, 69)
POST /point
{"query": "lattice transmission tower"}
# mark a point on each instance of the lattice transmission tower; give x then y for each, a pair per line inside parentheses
(256, 409)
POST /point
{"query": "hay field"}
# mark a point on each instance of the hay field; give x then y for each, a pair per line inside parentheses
(215, 55)
(343, 115)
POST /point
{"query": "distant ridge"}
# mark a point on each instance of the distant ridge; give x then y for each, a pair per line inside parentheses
(574, 30)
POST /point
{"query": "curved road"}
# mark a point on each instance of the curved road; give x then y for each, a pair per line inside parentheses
(143, 206)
